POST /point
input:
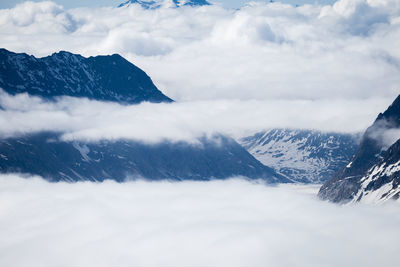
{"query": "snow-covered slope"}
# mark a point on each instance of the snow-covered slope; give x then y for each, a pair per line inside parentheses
(303, 155)
(381, 182)
(385, 191)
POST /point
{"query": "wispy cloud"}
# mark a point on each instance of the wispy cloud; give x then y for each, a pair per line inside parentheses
(83, 119)
(386, 133)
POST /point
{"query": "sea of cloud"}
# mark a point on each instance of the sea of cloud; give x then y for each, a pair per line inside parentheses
(220, 223)
(261, 51)
(265, 65)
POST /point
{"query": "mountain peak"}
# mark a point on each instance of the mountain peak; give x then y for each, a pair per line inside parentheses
(169, 3)
(105, 78)
(392, 113)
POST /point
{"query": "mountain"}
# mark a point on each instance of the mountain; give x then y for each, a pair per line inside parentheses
(382, 180)
(373, 166)
(306, 156)
(106, 78)
(143, 4)
(157, 3)
(110, 78)
(45, 155)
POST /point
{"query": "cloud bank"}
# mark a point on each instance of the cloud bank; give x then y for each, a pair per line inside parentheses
(332, 68)
(219, 223)
(386, 133)
(88, 120)
(262, 51)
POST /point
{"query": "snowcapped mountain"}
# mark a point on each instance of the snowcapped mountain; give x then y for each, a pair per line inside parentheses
(372, 174)
(109, 78)
(303, 155)
(143, 4)
(44, 154)
(166, 3)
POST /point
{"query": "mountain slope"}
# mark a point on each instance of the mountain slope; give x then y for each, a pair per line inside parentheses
(304, 155)
(107, 78)
(44, 154)
(346, 184)
(382, 180)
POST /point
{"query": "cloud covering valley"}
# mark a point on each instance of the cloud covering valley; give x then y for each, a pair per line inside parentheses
(234, 72)
(219, 223)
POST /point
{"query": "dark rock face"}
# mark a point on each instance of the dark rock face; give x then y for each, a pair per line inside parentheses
(45, 155)
(344, 185)
(157, 4)
(106, 78)
(306, 156)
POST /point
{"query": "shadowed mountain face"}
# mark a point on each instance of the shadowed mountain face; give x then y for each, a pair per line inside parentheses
(306, 156)
(106, 78)
(157, 3)
(347, 183)
(382, 181)
(44, 154)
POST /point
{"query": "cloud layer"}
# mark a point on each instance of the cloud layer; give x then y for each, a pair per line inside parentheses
(88, 120)
(266, 65)
(220, 223)
(262, 51)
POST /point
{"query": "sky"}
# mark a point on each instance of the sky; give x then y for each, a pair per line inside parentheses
(236, 72)
(99, 3)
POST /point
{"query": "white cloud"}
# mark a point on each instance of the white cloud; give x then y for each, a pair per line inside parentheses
(37, 18)
(390, 136)
(83, 119)
(385, 132)
(262, 51)
(219, 223)
(265, 65)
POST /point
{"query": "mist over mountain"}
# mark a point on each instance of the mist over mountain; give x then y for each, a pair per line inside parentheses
(306, 156)
(112, 78)
(46, 155)
(373, 169)
(75, 149)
